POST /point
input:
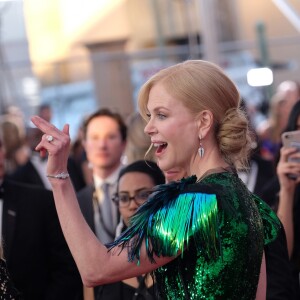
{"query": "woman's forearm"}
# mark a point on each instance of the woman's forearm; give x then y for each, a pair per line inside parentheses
(95, 263)
(86, 249)
(285, 214)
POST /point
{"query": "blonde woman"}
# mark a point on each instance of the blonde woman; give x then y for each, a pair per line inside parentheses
(203, 237)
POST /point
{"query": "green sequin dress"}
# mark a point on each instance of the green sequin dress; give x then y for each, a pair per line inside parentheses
(220, 229)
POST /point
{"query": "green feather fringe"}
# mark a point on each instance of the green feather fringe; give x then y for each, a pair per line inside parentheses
(170, 218)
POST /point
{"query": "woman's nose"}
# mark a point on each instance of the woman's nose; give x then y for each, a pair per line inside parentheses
(149, 128)
(132, 204)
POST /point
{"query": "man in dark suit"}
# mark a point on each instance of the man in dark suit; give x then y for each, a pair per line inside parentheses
(37, 256)
(104, 140)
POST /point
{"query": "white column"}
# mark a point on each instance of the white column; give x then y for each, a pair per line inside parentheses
(207, 10)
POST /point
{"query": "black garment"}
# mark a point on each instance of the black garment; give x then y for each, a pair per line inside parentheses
(265, 172)
(270, 195)
(278, 268)
(76, 174)
(122, 291)
(37, 256)
(7, 290)
(28, 174)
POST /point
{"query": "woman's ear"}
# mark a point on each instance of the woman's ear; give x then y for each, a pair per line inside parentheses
(205, 121)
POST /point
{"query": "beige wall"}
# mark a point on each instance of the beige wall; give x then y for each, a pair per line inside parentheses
(60, 29)
(56, 28)
(253, 11)
(277, 26)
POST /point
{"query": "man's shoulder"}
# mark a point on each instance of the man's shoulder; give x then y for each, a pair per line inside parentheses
(26, 190)
(87, 191)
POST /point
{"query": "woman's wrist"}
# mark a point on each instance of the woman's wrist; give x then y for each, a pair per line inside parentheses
(61, 175)
(286, 195)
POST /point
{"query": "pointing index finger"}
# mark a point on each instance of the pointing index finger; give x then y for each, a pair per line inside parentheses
(40, 123)
(44, 126)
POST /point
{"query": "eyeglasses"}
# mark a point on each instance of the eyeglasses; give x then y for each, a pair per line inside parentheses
(123, 199)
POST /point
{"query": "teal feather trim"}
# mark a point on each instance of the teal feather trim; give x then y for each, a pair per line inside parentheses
(170, 218)
(191, 214)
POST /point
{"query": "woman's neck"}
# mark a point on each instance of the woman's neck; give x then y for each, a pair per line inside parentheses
(215, 171)
(210, 161)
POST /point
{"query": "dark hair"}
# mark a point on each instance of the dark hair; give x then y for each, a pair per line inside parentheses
(147, 167)
(293, 117)
(291, 126)
(105, 112)
(44, 106)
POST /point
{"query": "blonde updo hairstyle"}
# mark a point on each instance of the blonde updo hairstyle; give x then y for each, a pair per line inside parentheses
(202, 85)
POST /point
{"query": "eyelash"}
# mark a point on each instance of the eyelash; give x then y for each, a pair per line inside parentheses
(159, 115)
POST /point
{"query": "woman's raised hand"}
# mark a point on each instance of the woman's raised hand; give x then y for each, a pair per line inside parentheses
(54, 142)
(285, 168)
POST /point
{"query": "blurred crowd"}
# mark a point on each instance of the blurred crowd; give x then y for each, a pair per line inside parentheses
(112, 167)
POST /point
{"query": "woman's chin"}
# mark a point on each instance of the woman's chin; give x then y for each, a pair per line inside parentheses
(162, 165)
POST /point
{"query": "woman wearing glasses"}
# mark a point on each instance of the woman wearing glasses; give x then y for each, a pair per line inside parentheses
(135, 184)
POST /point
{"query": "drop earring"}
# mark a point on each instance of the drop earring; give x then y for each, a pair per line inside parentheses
(201, 149)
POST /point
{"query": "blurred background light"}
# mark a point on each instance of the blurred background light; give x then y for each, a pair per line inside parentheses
(260, 77)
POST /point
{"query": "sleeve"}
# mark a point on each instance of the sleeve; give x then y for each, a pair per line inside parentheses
(170, 219)
(270, 220)
(64, 280)
(277, 263)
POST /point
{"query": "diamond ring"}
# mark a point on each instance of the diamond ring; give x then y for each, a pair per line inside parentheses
(50, 138)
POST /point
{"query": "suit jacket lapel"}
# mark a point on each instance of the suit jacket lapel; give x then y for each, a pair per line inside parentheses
(86, 206)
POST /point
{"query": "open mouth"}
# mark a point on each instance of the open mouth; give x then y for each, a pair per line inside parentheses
(160, 147)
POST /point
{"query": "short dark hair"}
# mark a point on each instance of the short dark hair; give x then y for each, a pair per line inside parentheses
(147, 167)
(293, 117)
(44, 106)
(105, 112)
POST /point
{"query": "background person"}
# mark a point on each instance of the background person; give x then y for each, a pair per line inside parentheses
(104, 141)
(135, 184)
(37, 256)
(288, 209)
(269, 131)
(283, 195)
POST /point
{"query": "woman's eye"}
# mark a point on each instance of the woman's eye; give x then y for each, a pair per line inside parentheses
(144, 194)
(161, 116)
(148, 116)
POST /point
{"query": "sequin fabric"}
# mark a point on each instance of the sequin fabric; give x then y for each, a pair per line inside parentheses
(221, 235)
(7, 291)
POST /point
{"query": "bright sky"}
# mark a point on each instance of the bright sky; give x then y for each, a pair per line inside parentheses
(53, 25)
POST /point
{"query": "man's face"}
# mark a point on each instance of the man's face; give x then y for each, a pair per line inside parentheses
(103, 143)
(2, 161)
